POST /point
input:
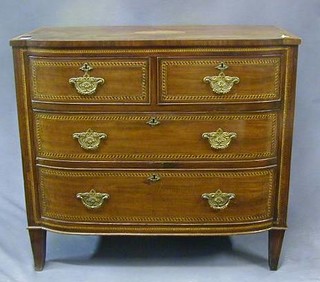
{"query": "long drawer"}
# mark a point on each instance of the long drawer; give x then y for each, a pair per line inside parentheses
(165, 196)
(156, 137)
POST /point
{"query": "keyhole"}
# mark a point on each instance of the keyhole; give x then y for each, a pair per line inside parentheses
(86, 67)
(153, 121)
(154, 177)
(222, 66)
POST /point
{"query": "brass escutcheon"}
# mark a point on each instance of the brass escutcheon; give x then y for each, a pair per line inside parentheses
(154, 177)
(219, 139)
(221, 84)
(86, 84)
(92, 199)
(89, 140)
(218, 200)
(153, 122)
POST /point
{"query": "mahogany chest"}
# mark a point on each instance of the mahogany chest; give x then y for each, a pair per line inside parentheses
(166, 130)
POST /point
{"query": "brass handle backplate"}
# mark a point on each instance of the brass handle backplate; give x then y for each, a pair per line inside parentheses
(221, 84)
(93, 199)
(89, 140)
(219, 139)
(86, 84)
(218, 200)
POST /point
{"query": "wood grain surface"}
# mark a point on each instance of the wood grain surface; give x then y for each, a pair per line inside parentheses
(156, 72)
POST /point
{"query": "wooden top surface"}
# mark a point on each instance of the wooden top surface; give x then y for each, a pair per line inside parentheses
(156, 36)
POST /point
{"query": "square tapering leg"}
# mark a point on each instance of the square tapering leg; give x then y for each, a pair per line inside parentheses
(38, 239)
(275, 244)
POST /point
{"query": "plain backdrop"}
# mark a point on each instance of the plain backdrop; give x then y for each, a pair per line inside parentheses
(238, 258)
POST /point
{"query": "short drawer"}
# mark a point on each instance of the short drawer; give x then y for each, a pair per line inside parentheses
(166, 196)
(201, 80)
(156, 137)
(90, 80)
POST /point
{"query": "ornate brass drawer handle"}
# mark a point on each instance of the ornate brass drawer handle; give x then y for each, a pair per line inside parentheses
(93, 199)
(154, 177)
(221, 84)
(89, 140)
(218, 200)
(86, 84)
(219, 139)
(153, 121)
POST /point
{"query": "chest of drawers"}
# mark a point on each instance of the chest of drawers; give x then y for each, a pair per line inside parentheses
(156, 130)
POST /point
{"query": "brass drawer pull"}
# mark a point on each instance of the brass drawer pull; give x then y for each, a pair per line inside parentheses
(86, 84)
(93, 199)
(153, 121)
(221, 84)
(89, 140)
(219, 139)
(218, 200)
(154, 177)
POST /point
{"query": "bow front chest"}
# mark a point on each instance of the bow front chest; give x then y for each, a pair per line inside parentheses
(165, 130)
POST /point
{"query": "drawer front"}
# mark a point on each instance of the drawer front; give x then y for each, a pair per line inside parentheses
(156, 137)
(90, 80)
(174, 197)
(205, 80)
